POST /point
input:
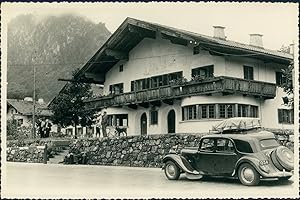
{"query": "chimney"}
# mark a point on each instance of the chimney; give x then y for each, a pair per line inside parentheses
(256, 40)
(219, 32)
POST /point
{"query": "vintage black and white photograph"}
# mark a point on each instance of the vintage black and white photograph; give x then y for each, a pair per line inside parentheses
(149, 100)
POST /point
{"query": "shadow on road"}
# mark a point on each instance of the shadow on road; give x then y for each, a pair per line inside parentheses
(235, 181)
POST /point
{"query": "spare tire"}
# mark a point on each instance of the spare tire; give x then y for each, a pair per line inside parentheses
(285, 157)
(275, 161)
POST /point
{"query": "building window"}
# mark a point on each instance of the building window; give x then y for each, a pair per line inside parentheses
(218, 111)
(118, 120)
(285, 116)
(226, 110)
(153, 117)
(120, 68)
(196, 50)
(190, 112)
(116, 88)
(248, 73)
(203, 72)
(280, 78)
(20, 122)
(155, 81)
(253, 111)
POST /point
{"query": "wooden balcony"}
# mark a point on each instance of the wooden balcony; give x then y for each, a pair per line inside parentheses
(222, 84)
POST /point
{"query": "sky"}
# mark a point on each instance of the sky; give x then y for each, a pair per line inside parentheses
(277, 22)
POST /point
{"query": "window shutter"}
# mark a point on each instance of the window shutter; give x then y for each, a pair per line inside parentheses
(279, 116)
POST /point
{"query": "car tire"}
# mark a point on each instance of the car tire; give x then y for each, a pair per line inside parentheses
(172, 171)
(285, 157)
(275, 161)
(248, 175)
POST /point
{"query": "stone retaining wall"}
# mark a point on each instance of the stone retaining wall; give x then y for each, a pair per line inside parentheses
(139, 151)
(25, 154)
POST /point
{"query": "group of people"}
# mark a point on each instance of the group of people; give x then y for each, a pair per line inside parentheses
(44, 128)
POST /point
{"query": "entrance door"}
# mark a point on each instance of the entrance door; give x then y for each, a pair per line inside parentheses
(144, 124)
(171, 121)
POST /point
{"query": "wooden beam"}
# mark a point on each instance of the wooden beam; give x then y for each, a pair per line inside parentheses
(168, 101)
(97, 77)
(144, 104)
(133, 106)
(117, 54)
(155, 103)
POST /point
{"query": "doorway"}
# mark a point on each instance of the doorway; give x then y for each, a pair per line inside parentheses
(171, 121)
(144, 124)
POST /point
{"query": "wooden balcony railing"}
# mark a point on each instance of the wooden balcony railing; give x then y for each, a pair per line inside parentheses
(222, 84)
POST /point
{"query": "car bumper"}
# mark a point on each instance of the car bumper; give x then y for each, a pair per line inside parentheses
(278, 174)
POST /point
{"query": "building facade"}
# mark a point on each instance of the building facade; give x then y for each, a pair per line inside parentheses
(159, 79)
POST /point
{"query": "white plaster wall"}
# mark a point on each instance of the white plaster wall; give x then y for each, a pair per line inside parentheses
(270, 113)
(153, 57)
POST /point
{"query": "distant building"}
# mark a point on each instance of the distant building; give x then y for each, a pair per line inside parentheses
(22, 110)
(160, 79)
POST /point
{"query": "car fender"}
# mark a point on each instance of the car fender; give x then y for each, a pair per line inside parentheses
(254, 162)
(181, 162)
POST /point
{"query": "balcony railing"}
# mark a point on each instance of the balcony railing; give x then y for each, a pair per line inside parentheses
(222, 84)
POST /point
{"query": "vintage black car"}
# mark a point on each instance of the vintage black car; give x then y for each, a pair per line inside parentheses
(250, 154)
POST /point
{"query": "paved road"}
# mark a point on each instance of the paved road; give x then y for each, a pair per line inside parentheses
(77, 181)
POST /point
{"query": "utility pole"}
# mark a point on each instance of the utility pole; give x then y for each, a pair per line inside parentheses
(33, 116)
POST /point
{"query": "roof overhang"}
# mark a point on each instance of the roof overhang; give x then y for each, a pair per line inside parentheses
(132, 31)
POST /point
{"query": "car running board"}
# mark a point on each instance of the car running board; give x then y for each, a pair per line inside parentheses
(193, 176)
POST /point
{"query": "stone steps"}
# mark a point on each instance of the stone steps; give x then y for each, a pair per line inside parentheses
(58, 159)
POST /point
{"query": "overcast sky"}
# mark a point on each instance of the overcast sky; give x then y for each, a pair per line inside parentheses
(276, 21)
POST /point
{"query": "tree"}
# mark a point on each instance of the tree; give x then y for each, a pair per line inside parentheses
(69, 108)
(287, 85)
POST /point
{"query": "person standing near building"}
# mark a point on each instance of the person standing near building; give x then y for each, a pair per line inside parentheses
(104, 124)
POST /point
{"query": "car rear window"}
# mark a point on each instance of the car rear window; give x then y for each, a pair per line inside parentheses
(243, 146)
(268, 143)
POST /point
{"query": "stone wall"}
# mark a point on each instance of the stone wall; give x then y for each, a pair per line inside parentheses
(32, 150)
(25, 154)
(138, 151)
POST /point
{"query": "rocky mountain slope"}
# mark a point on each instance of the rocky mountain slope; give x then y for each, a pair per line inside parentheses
(54, 45)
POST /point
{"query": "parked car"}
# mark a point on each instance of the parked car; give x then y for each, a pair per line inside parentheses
(239, 150)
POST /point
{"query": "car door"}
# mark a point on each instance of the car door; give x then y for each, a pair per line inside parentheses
(204, 159)
(225, 157)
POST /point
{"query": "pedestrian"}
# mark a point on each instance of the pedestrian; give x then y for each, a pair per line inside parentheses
(39, 127)
(104, 124)
(48, 126)
(98, 127)
(43, 128)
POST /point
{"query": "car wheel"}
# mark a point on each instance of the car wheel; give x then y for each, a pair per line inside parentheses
(285, 157)
(172, 171)
(275, 161)
(248, 175)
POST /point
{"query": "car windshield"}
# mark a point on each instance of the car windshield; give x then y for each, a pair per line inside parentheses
(268, 143)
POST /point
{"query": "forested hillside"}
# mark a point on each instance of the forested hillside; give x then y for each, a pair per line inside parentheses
(55, 45)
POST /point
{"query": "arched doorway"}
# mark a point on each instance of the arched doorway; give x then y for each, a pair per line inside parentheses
(171, 121)
(144, 124)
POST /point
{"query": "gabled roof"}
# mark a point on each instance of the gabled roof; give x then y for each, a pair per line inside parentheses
(26, 107)
(133, 31)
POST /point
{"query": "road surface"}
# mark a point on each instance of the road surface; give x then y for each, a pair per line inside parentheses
(21, 180)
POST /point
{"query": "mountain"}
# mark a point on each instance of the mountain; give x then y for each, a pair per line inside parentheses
(54, 45)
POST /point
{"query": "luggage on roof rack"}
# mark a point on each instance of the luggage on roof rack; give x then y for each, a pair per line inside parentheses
(237, 124)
